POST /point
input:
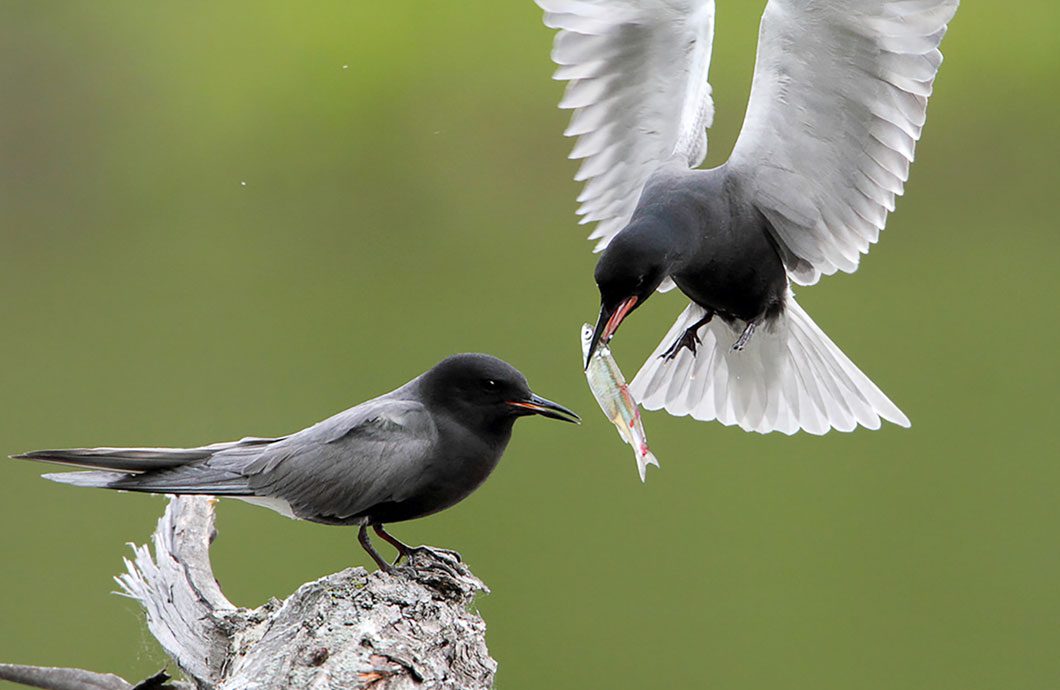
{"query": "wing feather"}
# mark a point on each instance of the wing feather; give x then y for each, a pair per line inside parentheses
(344, 465)
(837, 105)
(637, 82)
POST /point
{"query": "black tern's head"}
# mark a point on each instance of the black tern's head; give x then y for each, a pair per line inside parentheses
(483, 389)
(628, 273)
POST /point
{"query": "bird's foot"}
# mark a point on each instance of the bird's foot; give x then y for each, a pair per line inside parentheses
(433, 552)
(745, 337)
(450, 560)
(430, 564)
(688, 339)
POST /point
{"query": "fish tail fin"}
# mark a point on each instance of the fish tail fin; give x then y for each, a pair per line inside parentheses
(789, 377)
(643, 460)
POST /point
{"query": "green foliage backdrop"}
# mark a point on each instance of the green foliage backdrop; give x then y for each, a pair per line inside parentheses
(407, 196)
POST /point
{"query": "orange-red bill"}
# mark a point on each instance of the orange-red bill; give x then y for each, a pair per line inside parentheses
(607, 324)
(615, 321)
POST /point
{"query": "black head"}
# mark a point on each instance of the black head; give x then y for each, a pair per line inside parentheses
(483, 390)
(629, 271)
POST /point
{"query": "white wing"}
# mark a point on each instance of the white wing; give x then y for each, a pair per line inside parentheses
(637, 73)
(837, 104)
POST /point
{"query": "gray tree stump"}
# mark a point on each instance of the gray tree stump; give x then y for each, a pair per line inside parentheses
(353, 629)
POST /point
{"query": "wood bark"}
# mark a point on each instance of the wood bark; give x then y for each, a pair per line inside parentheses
(353, 629)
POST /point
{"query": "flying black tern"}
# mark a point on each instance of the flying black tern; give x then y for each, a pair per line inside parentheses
(838, 101)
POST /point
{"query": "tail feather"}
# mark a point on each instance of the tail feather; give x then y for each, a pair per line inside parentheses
(790, 377)
(194, 479)
(93, 479)
(134, 460)
(137, 460)
(213, 469)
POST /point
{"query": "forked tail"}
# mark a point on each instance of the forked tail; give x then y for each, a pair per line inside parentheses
(645, 458)
(790, 376)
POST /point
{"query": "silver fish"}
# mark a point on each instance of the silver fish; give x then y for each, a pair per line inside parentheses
(610, 390)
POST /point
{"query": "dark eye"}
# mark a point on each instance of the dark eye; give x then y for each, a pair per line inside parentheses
(490, 384)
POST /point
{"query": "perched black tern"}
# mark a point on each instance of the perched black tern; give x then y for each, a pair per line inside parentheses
(410, 453)
(838, 101)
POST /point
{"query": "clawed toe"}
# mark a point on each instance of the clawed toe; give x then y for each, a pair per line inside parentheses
(436, 552)
(688, 340)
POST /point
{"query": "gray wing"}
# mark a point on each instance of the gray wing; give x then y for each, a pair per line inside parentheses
(337, 469)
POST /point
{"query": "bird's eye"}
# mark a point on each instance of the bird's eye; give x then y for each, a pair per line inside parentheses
(489, 384)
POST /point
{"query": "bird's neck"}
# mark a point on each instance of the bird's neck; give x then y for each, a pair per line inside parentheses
(667, 239)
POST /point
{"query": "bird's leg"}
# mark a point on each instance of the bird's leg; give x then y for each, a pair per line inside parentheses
(366, 544)
(745, 337)
(403, 549)
(406, 551)
(689, 338)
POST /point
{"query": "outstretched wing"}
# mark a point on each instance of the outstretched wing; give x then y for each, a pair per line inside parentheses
(837, 104)
(637, 82)
(339, 468)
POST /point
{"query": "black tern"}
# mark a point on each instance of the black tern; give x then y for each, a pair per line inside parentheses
(410, 453)
(838, 101)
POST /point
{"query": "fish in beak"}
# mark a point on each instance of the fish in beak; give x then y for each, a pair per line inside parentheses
(608, 322)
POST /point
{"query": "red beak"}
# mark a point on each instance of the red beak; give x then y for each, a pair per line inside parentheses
(607, 324)
(624, 308)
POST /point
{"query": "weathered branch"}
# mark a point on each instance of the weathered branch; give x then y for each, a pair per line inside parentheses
(352, 629)
(186, 611)
(61, 678)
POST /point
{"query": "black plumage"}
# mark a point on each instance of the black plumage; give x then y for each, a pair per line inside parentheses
(415, 451)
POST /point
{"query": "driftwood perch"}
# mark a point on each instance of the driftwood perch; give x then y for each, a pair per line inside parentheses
(352, 629)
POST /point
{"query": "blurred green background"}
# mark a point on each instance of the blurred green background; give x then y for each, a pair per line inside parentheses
(407, 196)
